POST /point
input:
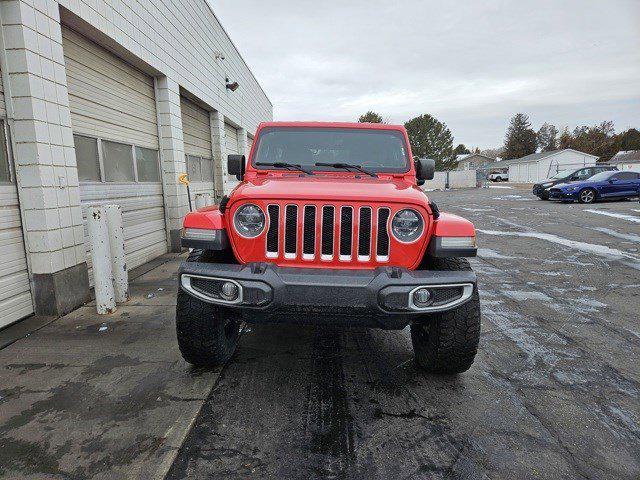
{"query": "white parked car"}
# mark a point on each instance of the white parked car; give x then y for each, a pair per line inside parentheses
(499, 177)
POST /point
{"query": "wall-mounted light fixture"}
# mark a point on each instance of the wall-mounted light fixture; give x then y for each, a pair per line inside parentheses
(231, 86)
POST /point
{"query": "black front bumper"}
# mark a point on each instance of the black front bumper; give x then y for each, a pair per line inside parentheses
(371, 298)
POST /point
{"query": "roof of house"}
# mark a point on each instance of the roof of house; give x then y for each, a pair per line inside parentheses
(534, 157)
(471, 157)
(626, 156)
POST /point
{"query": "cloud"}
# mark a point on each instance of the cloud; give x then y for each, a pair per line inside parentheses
(471, 64)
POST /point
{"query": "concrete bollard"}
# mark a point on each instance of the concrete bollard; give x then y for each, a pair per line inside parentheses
(116, 245)
(200, 200)
(100, 253)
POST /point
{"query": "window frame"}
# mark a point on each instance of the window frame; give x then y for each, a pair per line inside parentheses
(135, 166)
(99, 148)
(4, 131)
(101, 159)
(200, 160)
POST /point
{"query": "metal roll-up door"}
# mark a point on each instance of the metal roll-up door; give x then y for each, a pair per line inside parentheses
(196, 131)
(231, 148)
(15, 292)
(113, 116)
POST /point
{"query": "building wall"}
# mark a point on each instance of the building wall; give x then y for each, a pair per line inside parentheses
(534, 171)
(179, 39)
(181, 46)
(457, 179)
(629, 166)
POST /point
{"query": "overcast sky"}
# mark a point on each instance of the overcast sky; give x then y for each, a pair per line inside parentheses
(471, 64)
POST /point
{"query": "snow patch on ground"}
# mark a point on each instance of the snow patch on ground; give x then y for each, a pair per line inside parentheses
(521, 295)
(467, 209)
(488, 253)
(599, 250)
(589, 302)
(621, 216)
(624, 236)
(518, 198)
(555, 274)
(500, 186)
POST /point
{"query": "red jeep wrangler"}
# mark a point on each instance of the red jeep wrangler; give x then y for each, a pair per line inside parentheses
(329, 227)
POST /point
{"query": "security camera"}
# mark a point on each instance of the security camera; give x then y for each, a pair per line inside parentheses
(232, 86)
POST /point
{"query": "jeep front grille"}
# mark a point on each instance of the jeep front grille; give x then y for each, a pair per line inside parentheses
(328, 232)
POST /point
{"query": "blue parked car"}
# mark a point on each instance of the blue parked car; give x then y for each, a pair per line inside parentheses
(600, 186)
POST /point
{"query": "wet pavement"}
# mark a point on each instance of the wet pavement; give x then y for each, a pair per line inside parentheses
(101, 397)
(554, 392)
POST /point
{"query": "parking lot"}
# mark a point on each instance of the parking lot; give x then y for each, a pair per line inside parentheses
(554, 391)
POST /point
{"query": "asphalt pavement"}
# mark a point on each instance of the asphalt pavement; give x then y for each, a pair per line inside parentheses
(553, 394)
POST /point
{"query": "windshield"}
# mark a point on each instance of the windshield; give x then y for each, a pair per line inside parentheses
(375, 150)
(599, 177)
(561, 174)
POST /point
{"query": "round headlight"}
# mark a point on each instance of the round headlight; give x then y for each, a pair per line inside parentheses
(407, 225)
(249, 220)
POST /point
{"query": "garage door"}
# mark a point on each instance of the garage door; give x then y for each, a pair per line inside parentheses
(196, 130)
(113, 115)
(15, 293)
(231, 148)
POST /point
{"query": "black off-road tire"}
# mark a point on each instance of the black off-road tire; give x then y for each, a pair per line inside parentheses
(207, 334)
(447, 342)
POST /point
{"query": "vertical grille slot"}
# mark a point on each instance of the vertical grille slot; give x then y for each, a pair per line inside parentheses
(346, 232)
(290, 231)
(309, 232)
(272, 234)
(382, 242)
(364, 234)
(328, 214)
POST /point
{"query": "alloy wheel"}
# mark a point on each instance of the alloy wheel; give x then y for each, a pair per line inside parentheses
(587, 196)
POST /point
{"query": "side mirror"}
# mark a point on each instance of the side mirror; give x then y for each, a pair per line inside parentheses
(236, 166)
(425, 169)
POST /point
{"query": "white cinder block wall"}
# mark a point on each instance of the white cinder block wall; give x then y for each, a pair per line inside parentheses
(178, 42)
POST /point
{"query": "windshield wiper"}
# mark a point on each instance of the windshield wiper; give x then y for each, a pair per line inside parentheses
(347, 166)
(288, 166)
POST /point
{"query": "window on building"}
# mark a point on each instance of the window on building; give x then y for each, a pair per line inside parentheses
(147, 165)
(206, 166)
(87, 158)
(118, 164)
(194, 169)
(5, 172)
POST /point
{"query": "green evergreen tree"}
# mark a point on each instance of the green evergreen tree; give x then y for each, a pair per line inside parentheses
(520, 139)
(371, 117)
(431, 138)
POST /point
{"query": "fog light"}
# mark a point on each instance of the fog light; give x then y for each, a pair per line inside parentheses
(421, 297)
(229, 291)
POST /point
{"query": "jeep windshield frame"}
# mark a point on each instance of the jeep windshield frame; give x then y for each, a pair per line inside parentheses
(376, 150)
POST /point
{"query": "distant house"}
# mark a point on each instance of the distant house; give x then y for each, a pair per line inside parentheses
(538, 166)
(473, 161)
(626, 160)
